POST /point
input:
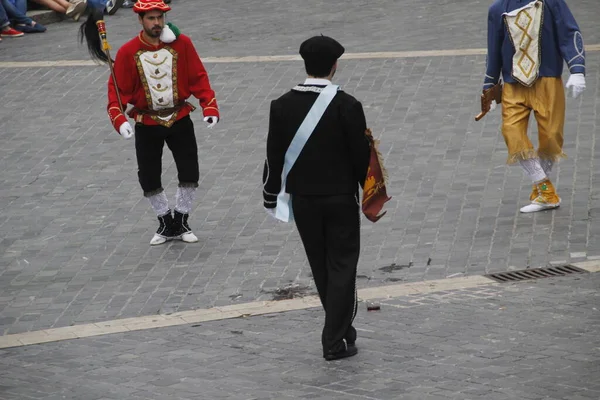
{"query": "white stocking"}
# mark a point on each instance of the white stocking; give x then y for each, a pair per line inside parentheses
(547, 166)
(533, 169)
(160, 203)
(184, 199)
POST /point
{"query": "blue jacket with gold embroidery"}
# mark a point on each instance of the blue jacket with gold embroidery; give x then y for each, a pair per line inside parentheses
(560, 40)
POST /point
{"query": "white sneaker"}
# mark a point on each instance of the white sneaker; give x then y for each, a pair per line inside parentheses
(157, 239)
(189, 237)
(76, 9)
(535, 207)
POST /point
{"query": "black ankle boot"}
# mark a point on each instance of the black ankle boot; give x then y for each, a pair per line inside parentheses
(181, 229)
(180, 221)
(165, 229)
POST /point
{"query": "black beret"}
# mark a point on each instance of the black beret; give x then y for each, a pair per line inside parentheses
(321, 48)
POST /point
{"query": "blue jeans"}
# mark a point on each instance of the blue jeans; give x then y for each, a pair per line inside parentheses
(17, 12)
(3, 18)
(99, 4)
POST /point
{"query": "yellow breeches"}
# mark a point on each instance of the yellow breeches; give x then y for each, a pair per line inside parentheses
(546, 97)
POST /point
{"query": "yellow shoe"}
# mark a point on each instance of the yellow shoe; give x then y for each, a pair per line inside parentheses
(534, 193)
(547, 198)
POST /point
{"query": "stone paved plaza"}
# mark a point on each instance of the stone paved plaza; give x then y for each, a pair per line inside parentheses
(75, 227)
(525, 341)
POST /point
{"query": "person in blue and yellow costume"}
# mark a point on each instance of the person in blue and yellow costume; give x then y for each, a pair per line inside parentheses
(528, 44)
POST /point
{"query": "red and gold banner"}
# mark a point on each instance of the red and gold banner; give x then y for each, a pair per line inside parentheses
(374, 190)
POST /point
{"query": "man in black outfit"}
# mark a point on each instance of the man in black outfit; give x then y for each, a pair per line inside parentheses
(323, 184)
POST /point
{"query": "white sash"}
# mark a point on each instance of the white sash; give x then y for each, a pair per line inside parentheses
(283, 211)
(524, 27)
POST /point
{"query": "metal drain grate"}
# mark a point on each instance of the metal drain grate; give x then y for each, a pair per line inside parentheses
(535, 273)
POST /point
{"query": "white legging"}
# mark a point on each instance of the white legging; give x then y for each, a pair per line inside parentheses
(533, 169)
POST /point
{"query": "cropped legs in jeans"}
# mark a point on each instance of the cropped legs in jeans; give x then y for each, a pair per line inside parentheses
(17, 13)
(3, 18)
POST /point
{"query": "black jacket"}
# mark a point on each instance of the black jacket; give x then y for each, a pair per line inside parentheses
(335, 158)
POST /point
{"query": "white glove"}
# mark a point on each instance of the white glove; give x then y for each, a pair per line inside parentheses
(271, 212)
(577, 82)
(212, 121)
(493, 105)
(126, 130)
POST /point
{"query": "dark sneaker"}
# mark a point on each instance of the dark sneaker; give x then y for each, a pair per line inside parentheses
(31, 28)
(349, 351)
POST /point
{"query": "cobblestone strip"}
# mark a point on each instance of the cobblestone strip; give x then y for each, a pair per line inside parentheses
(243, 310)
(279, 58)
(470, 286)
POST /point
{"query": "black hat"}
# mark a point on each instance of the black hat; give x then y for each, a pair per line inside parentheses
(321, 47)
(320, 53)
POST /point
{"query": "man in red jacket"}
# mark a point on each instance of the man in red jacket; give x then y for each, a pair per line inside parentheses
(157, 72)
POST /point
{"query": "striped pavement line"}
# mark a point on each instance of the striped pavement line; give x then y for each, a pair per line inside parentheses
(262, 59)
(244, 310)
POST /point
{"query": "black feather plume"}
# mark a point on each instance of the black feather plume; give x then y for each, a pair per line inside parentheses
(88, 31)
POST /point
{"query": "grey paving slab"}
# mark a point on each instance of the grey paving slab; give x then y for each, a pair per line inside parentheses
(273, 27)
(531, 340)
(75, 229)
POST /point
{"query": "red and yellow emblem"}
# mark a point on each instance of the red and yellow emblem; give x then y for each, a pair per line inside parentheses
(374, 190)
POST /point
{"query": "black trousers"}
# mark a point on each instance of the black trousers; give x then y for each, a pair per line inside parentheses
(149, 143)
(329, 227)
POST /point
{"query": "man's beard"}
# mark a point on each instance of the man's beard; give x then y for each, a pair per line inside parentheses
(154, 33)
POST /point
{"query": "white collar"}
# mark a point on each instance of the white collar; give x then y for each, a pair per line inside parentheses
(317, 82)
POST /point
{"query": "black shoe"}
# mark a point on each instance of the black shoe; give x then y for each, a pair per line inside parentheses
(349, 351)
(165, 229)
(350, 336)
(181, 229)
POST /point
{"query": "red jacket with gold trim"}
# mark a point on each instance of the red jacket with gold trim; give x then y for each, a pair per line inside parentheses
(159, 77)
